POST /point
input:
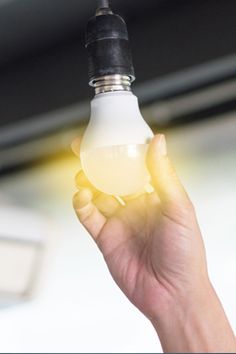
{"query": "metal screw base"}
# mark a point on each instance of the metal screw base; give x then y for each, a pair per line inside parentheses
(112, 83)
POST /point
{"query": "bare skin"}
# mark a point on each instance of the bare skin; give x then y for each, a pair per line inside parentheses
(154, 250)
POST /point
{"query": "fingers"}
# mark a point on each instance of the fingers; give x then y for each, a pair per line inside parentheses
(106, 204)
(164, 178)
(92, 219)
(91, 206)
(82, 182)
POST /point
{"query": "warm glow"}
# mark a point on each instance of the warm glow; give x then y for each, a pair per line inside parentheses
(117, 170)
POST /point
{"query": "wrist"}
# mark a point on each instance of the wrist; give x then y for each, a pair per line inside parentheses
(195, 322)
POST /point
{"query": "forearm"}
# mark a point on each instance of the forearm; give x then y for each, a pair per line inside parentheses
(196, 324)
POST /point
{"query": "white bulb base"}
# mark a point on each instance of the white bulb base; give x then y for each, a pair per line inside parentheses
(113, 149)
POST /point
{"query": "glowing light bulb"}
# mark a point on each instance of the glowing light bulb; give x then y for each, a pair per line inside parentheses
(113, 149)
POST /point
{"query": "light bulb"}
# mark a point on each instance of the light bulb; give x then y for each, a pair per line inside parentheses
(113, 148)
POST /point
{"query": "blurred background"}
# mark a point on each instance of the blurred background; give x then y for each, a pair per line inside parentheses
(56, 294)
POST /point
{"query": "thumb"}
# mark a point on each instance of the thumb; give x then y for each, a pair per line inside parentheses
(164, 178)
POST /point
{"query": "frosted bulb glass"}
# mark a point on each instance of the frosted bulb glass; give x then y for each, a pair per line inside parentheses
(113, 149)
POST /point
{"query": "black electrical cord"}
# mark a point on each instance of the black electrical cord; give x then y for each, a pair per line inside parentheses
(103, 4)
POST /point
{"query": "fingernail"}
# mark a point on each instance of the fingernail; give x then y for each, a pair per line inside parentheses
(162, 149)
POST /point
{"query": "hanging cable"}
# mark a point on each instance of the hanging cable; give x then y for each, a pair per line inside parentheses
(103, 3)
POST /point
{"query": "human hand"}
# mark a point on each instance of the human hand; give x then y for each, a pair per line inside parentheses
(152, 245)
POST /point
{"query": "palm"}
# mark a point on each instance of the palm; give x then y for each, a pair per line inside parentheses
(144, 250)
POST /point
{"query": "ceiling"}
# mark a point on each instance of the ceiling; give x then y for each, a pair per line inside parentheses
(27, 26)
(178, 46)
(43, 61)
